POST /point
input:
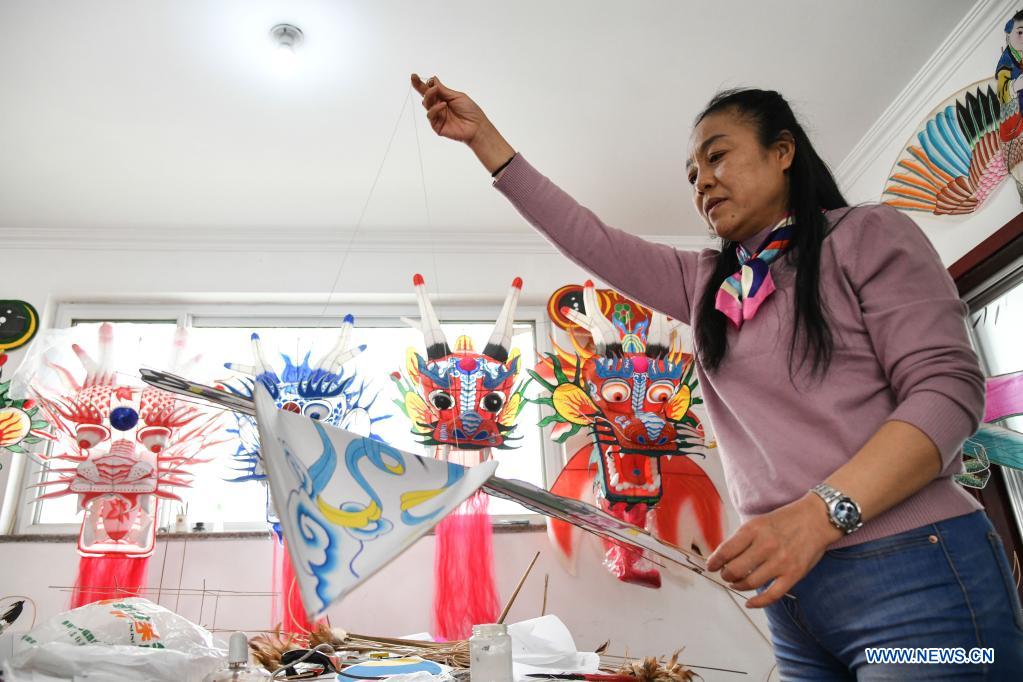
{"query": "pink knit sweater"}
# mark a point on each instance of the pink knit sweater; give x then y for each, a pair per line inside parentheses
(901, 351)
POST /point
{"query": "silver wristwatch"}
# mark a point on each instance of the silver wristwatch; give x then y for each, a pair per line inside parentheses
(843, 513)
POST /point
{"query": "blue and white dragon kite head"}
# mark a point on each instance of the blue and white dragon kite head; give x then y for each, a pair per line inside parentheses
(323, 391)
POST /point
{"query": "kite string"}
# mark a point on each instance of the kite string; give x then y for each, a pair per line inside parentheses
(426, 205)
(440, 452)
(365, 206)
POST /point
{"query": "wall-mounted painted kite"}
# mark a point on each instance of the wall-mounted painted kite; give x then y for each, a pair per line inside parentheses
(19, 322)
(126, 447)
(21, 423)
(631, 388)
(463, 404)
(994, 443)
(968, 145)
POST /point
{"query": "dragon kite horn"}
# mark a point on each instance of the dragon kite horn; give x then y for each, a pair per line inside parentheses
(98, 373)
(106, 350)
(605, 338)
(262, 364)
(436, 345)
(499, 344)
(658, 336)
(178, 362)
(337, 355)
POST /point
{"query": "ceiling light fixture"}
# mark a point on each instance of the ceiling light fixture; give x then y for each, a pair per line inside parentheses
(286, 38)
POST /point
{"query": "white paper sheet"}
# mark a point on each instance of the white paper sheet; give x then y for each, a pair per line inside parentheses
(544, 645)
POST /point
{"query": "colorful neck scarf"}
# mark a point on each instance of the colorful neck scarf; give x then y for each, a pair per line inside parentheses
(742, 294)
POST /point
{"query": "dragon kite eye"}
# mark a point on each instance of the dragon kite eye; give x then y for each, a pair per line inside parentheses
(90, 435)
(615, 391)
(660, 392)
(442, 400)
(154, 438)
(492, 402)
(291, 406)
(316, 410)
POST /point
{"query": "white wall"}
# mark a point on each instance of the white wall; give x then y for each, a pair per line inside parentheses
(969, 55)
(687, 611)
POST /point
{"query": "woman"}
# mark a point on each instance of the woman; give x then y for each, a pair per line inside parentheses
(839, 379)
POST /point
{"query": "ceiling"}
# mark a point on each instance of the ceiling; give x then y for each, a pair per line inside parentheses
(160, 115)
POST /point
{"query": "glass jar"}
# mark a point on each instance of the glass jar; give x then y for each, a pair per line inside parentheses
(490, 653)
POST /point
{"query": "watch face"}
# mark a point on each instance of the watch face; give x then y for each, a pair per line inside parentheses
(846, 514)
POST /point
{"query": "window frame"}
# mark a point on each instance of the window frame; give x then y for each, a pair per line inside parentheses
(985, 272)
(999, 284)
(381, 311)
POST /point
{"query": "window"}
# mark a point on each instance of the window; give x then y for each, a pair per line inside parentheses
(997, 328)
(224, 505)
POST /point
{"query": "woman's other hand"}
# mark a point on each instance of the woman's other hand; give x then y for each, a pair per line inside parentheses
(454, 115)
(781, 546)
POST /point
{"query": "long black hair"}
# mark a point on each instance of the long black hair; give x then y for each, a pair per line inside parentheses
(812, 190)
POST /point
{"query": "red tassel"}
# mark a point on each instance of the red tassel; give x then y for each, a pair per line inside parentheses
(465, 589)
(110, 576)
(276, 581)
(286, 607)
(628, 564)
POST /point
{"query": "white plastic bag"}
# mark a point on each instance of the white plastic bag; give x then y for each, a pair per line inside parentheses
(118, 639)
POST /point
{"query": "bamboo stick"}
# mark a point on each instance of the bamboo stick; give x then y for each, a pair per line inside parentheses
(511, 600)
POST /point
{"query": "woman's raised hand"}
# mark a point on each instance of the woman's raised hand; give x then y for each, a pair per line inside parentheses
(454, 115)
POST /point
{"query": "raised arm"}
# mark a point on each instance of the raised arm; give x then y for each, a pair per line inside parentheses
(654, 274)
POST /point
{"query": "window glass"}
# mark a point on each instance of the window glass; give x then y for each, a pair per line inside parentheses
(998, 331)
(225, 505)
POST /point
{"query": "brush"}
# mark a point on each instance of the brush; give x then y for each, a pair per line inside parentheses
(11, 614)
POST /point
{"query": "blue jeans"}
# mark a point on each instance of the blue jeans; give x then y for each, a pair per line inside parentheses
(942, 585)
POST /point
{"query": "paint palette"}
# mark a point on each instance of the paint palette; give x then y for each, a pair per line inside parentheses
(376, 670)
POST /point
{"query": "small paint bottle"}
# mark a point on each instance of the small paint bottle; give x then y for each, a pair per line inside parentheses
(238, 668)
(490, 653)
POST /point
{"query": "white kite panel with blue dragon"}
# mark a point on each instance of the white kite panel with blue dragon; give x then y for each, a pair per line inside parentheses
(349, 504)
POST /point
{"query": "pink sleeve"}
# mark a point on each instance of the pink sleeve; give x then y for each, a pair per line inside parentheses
(916, 322)
(653, 274)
